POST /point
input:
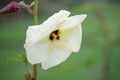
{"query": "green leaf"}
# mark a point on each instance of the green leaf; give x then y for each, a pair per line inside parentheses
(31, 4)
(22, 3)
(21, 58)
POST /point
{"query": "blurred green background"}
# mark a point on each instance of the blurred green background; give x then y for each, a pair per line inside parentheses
(99, 56)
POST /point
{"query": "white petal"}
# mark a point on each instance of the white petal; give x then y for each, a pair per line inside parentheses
(58, 55)
(74, 36)
(35, 33)
(73, 21)
(31, 32)
(37, 53)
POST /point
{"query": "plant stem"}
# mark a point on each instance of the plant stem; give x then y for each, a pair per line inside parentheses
(36, 12)
(35, 22)
(35, 71)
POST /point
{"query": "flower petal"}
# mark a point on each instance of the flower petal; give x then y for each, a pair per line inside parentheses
(59, 54)
(35, 34)
(31, 32)
(73, 21)
(74, 36)
(37, 53)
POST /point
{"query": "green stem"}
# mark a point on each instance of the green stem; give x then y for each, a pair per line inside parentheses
(33, 75)
(36, 12)
(35, 22)
(35, 71)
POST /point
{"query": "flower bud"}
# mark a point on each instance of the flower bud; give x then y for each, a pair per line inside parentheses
(11, 7)
(29, 75)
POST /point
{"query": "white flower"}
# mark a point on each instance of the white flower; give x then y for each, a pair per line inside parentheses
(52, 42)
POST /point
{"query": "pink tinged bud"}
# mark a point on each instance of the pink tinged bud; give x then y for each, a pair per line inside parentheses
(11, 7)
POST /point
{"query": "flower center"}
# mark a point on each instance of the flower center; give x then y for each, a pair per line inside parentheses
(54, 35)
